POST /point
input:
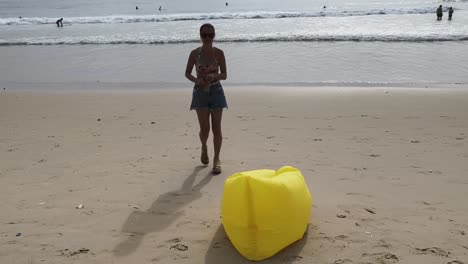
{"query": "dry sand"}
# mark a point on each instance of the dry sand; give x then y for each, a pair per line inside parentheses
(387, 169)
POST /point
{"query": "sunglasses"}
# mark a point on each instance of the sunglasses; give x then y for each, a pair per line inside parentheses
(207, 35)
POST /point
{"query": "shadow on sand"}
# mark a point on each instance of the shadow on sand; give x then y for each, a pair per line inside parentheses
(221, 250)
(162, 213)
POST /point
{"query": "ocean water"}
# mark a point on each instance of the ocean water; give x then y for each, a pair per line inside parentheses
(265, 42)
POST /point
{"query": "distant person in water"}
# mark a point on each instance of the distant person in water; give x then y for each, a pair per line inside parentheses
(227, 3)
(160, 8)
(59, 22)
(439, 13)
(136, 7)
(450, 13)
(324, 7)
(20, 17)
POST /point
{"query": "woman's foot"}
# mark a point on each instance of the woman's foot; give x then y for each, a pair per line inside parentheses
(204, 156)
(216, 167)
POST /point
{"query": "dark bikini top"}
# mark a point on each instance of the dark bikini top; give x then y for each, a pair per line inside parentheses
(203, 69)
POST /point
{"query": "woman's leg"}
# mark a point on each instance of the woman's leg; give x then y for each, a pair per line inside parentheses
(204, 122)
(216, 116)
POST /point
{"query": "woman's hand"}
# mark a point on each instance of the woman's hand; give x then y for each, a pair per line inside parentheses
(210, 78)
(202, 83)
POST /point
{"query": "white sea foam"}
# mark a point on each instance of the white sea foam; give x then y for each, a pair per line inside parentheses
(128, 39)
(214, 16)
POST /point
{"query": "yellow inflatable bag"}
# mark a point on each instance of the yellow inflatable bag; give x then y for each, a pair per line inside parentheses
(264, 211)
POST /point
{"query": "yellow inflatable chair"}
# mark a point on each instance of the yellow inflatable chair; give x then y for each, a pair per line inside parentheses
(264, 211)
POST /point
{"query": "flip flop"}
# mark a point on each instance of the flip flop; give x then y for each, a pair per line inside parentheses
(216, 167)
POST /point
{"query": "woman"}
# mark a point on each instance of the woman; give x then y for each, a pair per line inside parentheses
(208, 95)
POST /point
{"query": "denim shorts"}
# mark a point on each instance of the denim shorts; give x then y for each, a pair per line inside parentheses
(211, 99)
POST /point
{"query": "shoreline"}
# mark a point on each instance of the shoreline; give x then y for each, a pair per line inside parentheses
(154, 86)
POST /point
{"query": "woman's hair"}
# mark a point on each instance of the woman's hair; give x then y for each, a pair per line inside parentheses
(207, 25)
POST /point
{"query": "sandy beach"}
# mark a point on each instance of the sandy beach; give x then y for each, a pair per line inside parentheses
(387, 169)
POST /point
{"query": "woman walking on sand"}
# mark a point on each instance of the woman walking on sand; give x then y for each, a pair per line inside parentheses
(208, 95)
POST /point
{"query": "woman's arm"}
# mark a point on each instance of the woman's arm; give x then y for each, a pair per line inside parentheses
(222, 65)
(189, 68)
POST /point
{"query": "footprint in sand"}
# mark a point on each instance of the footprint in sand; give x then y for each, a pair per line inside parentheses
(360, 194)
(374, 155)
(430, 172)
(245, 118)
(88, 212)
(412, 117)
(341, 237)
(343, 261)
(179, 247)
(458, 232)
(347, 179)
(68, 253)
(359, 169)
(217, 245)
(174, 240)
(382, 257)
(432, 250)
(384, 244)
(290, 258)
(447, 117)
(415, 141)
(182, 223)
